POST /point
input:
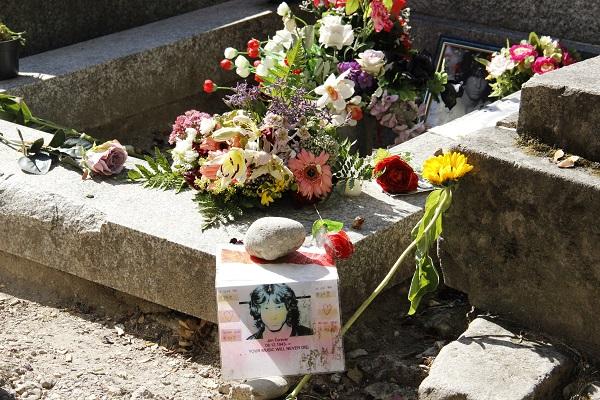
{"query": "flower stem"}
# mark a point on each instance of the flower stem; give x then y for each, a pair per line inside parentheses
(378, 289)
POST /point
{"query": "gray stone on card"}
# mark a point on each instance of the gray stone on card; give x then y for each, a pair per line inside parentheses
(270, 238)
(561, 109)
(269, 388)
(489, 362)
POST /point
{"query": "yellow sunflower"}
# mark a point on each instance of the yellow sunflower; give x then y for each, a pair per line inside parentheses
(447, 167)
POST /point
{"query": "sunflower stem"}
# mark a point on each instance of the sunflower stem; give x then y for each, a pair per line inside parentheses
(306, 378)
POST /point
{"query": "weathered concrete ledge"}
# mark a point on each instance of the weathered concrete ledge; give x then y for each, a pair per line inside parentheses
(521, 238)
(546, 17)
(103, 85)
(428, 26)
(561, 109)
(56, 23)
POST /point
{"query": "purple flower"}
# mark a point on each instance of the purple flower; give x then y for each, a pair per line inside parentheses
(294, 107)
(361, 79)
(243, 95)
(381, 105)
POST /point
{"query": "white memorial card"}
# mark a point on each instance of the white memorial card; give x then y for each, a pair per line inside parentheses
(277, 318)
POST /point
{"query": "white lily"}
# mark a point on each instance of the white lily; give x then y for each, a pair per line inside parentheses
(335, 91)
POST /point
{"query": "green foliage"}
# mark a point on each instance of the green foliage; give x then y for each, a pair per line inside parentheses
(158, 175)
(7, 34)
(509, 82)
(350, 166)
(217, 210)
(425, 234)
(352, 6)
(328, 225)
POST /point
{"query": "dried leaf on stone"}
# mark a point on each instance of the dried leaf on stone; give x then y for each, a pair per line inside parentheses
(568, 162)
(120, 329)
(558, 155)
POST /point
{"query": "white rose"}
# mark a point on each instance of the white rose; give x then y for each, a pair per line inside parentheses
(284, 10)
(230, 53)
(499, 65)
(371, 61)
(335, 34)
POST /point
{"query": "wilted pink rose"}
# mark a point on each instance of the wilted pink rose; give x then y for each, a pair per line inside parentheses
(107, 159)
(543, 65)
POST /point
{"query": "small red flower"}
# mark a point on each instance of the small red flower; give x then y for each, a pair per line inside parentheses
(297, 71)
(258, 79)
(253, 52)
(253, 44)
(338, 245)
(209, 86)
(256, 63)
(226, 64)
(356, 113)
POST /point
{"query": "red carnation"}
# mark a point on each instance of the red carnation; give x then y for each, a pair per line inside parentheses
(395, 176)
(338, 245)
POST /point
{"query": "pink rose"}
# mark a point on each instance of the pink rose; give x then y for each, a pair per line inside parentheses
(543, 65)
(106, 159)
(567, 58)
(519, 52)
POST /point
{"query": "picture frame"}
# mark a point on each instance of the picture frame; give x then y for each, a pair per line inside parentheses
(467, 76)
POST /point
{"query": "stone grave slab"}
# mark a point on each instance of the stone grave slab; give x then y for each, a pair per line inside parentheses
(149, 244)
(521, 239)
(561, 109)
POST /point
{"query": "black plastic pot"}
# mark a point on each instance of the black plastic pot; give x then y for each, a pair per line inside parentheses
(9, 59)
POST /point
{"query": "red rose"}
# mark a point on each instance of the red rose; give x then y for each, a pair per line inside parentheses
(338, 245)
(395, 175)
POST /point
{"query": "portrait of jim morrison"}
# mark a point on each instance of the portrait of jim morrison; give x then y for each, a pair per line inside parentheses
(275, 311)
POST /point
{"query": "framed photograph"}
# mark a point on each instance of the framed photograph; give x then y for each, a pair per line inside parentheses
(467, 78)
(277, 318)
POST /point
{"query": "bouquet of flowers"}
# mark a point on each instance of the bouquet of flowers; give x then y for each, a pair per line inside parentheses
(366, 42)
(513, 65)
(281, 136)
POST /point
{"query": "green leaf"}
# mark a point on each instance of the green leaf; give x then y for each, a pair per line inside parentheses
(534, 39)
(134, 175)
(38, 164)
(36, 146)
(425, 280)
(352, 6)
(328, 224)
(58, 139)
(77, 141)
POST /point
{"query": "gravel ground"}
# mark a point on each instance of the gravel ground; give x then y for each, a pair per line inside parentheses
(49, 351)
